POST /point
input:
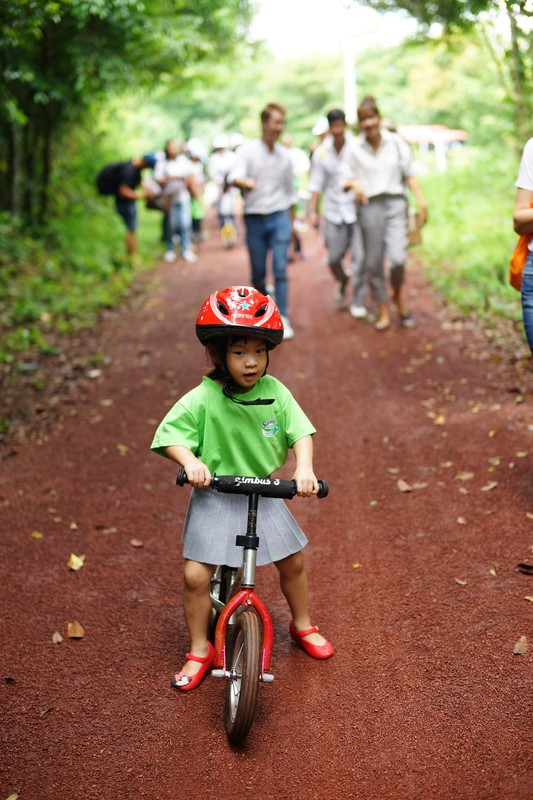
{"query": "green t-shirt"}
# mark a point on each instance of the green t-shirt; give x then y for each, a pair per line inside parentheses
(232, 439)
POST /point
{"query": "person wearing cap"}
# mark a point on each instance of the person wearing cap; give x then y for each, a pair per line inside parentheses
(263, 172)
(321, 130)
(219, 166)
(129, 179)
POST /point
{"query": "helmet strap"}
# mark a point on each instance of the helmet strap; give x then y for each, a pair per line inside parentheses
(226, 391)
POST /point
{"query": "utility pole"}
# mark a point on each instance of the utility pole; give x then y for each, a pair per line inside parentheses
(349, 72)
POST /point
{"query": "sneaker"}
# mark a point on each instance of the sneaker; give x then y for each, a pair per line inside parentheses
(288, 332)
(169, 256)
(189, 256)
(358, 312)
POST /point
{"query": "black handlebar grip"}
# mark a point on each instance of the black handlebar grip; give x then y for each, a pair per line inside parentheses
(181, 477)
(323, 489)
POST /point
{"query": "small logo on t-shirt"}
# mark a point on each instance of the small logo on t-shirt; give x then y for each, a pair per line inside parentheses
(270, 427)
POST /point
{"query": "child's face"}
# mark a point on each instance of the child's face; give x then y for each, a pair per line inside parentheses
(246, 361)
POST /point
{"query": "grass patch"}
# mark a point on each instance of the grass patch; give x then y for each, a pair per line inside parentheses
(57, 280)
(469, 238)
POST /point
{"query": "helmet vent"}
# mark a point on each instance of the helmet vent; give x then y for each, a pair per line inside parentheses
(243, 293)
(261, 311)
(222, 308)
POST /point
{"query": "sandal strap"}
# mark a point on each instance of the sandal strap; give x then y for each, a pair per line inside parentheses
(301, 634)
(199, 659)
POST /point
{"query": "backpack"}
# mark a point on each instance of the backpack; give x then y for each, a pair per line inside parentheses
(107, 180)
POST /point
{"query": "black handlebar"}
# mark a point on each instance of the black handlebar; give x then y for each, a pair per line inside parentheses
(266, 487)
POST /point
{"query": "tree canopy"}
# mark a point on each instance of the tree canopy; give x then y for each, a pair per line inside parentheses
(57, 57)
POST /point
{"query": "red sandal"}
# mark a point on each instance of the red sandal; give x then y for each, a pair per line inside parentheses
(187, 682)
(315, 650)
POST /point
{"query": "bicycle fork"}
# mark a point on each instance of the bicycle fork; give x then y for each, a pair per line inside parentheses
(246, 598)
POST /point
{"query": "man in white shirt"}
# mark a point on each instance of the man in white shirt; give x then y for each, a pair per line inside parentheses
(263, 171)
(341, 232)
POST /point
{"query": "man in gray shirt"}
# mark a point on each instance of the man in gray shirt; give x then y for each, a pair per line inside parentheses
(263, 171)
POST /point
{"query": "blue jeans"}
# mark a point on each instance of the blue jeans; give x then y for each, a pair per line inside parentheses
(266, 232)
(178, 221)
(527, 299)
(128, 211)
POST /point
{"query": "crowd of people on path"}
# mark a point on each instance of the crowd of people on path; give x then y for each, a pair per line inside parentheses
(354, 186)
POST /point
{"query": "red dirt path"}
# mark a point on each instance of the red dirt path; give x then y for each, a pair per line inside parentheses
(424, 697)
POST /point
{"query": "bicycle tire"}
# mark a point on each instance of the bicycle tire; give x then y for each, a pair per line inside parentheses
(242, 685)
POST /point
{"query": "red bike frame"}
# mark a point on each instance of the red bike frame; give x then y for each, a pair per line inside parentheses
(246, 597)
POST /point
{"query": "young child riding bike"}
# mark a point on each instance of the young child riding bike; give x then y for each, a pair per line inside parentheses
(239, 421)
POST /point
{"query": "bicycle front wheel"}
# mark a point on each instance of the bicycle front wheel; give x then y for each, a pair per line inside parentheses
(242, 684)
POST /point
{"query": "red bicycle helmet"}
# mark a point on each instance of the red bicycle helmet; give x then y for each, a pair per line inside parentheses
(240, 310)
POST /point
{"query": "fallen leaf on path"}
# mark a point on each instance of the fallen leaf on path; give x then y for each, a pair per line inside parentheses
(57, 638)
(495, 462)
(420, 485)
(464, 476)
(446, 464)
(136, 543)
(460, 581)
(520, 647)
(440, 419)
(463, 490)
(461, 520)
(75, 562)
(393, 470)
(73, 526)
(75, 630)
(529, 597)
(521, 454)
(37, 535)
(106, 403)
(529, 515)
(489, 486)
(493, 571)
(494, 432)
(373, 503)
(122, 449)
(12, 797)
(44, 712)
(357, 565)
(403, 486)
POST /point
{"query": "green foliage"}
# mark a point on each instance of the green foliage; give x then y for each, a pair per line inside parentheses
(469, 238)
(59, 58)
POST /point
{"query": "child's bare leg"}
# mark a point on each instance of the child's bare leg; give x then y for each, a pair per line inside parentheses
(196, 607)
(293, 582)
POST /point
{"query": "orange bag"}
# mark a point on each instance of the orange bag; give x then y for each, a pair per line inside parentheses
(518, 260)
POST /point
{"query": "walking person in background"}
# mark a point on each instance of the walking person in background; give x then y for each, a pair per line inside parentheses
(263, 171)
(377, 168)
(341, 232)
(175, 174)
(523, 225)
(196, 152)
(122, 180)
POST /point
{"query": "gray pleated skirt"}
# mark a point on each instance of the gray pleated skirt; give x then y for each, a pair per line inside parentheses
(214, 520)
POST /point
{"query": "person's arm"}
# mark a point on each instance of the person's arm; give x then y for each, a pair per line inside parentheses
(197, 473)
(306, 482)
(417, 191)
(314, 221)
(348, 182)
(523, 213)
